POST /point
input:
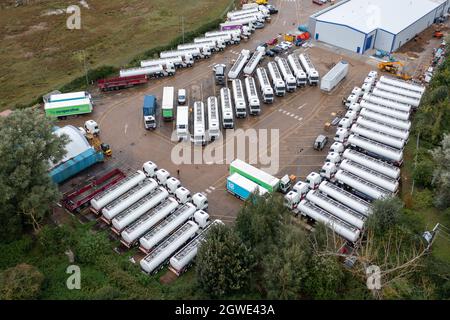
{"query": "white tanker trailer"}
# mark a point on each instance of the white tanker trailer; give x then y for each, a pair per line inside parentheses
(378, 136)
(400, 91)
(361, 186)
(380, 150)
(380, 100)
(402, 84)
(117, 190)
(372, 163)
(396, 97)
(388, 111)
(147, 221)
(127, 199)
(397, 123)
(382, 127)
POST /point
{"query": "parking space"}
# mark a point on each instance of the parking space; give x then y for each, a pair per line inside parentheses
(299, 116)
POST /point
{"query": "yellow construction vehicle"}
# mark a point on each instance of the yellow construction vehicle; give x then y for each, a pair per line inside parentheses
(98, 145)
(395, 68)
(262, 2)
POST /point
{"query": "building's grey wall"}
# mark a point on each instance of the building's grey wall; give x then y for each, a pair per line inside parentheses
(414, 29)
(339, 36)
(312, 25)
(384, 40)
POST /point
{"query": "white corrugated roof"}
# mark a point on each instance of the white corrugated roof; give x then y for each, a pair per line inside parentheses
(390, 15)
(77, 144)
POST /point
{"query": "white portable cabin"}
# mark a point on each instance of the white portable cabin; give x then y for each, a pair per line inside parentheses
(383, 127)
(370, 175)
(378, 136)
(337, 209)
(297, 69)
(199, 123)
(213, 119)
(372, 98)
(147, 221)
(362, 186)
(166, 226)
(372, 163)
(253, 62)
(227, 108)
(310, 69)
(397, 123)
(236, 69)
(345, 197)
(159, 256)
(289, 79)
(117, 190)
(125, 218)
(252, 96)
(388, 111)
(128, 198)
(182, 124)
(184, 257)
(240, 106)
(334, 76)
(377, 149)
(402, 84)
(342, 228)
(264, 85)
(277, 81)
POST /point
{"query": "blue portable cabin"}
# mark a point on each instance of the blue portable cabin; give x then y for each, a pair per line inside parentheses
(242, 187)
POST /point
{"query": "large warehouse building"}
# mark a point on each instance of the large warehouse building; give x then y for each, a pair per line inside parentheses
(362, 25)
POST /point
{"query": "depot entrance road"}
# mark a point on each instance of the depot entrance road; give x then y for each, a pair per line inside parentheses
(299, 117)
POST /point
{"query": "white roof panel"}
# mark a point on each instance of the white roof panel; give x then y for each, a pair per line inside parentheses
(368, 15)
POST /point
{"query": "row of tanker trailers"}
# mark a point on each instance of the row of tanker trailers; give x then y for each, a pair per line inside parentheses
(364, 161)
(186, 54)
(151, 210)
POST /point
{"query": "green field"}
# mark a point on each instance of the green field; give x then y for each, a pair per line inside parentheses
(39, 54)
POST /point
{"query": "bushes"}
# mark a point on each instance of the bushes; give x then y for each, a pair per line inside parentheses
(91, 246)
(22, 282)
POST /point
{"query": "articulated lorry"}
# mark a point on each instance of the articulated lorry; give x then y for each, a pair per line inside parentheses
(65, 108)
(297, 69)
(310, 69)
(149, 112)
(253, 62)
(289, 79)
(118, 83)
(152, 71)
(180, 61)
(252, 96)
(227, 108)
(239, 99)
(277, 81)
(265, 86)
(238, 65)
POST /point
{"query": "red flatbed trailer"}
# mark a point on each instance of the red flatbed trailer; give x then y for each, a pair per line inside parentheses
(121, 82)
(75, 200)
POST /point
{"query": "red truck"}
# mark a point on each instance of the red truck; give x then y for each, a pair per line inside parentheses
(121, 82)
(74, 201)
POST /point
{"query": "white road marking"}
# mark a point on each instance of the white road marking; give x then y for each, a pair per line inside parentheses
(301, 107)
(212, 188)
(126, 128)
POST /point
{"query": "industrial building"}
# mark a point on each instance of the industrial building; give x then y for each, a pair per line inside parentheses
(362, 25)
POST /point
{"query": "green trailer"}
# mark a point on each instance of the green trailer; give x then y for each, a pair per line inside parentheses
(256, 175)
(68, 108)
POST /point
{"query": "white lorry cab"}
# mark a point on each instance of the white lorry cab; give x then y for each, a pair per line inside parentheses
(199, 124)
(213, 119)
(227, 108)
(183, 123)
(252, 96)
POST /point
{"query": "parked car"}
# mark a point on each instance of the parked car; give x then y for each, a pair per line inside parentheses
(181, 96)
(321, 142)
(272, 42)
(276, 50)
(285, 45)
(270, 53)
(259, 25)
(272, 9)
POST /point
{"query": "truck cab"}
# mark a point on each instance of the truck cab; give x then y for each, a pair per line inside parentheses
(188, 60)
(219, 72)
(352, 98)
(345, 123)
(355, 107)
(206, 52)
(149, 168)
(183, 195)
(333, 157)
(201, 218)
(200, 201)
(341, 135)
(301, 188)
(351, 115)
(291, 200)
(161, 176)
(91, 127)
(320, 142)
(172, 184)
(286, 183)
(313, 180)
(337, 147)
(328, 171)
